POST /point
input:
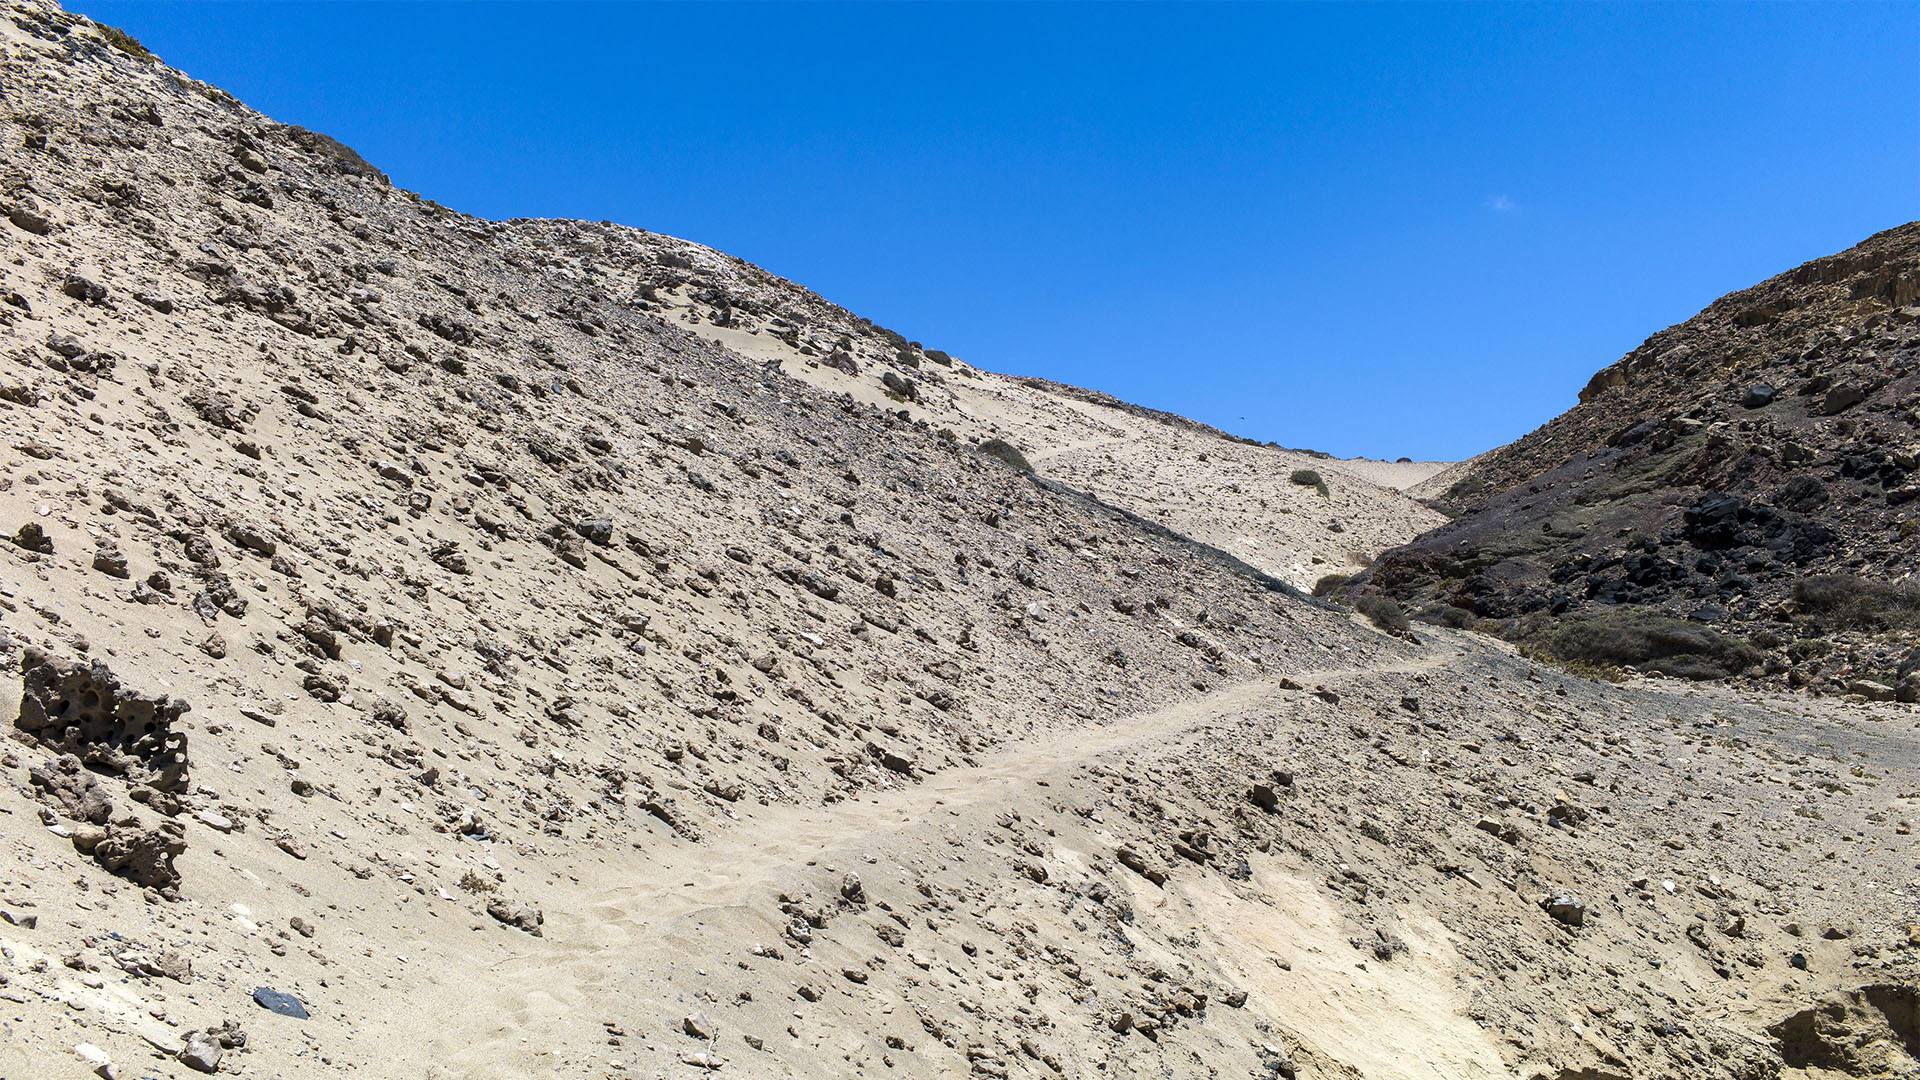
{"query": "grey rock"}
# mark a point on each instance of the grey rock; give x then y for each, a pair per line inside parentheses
(1566, 908)
(111, 561)
(30, 221)
(513, 913)
(1841, 398)
(282, 1003)
(201, 1053)
(252, 537)
(83, 289)
(699, 1027)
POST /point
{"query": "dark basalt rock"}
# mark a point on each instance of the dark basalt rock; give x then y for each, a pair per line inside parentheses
(1688, 482)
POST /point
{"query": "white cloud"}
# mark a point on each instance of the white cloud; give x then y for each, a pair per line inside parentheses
(1500, 204)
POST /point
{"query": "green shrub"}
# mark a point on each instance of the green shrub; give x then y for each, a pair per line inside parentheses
(1382, 612)
(1809, 649)
(1310, 478)
(1005, 451)
(1327, 585)
(1467, 486)
(1846, 602)
(1644, 639)
(124, 42)
(1457, 618)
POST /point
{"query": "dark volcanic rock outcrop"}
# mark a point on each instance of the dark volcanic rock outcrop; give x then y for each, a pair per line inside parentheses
(1749, 473)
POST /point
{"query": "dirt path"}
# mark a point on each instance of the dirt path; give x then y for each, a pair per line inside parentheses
(713, 874)
(596, 945)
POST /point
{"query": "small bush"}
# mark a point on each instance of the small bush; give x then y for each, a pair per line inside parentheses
(1803, 649)
(1006, 452)
(1469, 486)
(1582, 669)
(1457, 618)
(1327, 585)
(1310, 478)
(1852, 603)
(1646, 640)
(1382, 612)
(124, 42)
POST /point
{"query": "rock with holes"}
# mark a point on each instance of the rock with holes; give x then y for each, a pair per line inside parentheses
(81, 709)
(143, 854)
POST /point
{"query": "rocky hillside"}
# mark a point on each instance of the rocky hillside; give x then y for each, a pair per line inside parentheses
(1735, 496)
(1229, 492)
(428, 654)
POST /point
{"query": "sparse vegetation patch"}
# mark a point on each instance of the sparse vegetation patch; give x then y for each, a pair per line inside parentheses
(1382, 612)
(1330, 584)
(1006, 452)
(1640, 638)
(125, 42)
(1845, 602)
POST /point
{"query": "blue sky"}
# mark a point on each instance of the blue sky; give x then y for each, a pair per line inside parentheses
(1374, 229)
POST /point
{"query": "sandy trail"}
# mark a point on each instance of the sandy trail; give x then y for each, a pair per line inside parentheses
(713, 875)
(597, 945)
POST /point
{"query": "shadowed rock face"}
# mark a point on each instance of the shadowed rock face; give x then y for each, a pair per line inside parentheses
(83, 710)
(1707, 476)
